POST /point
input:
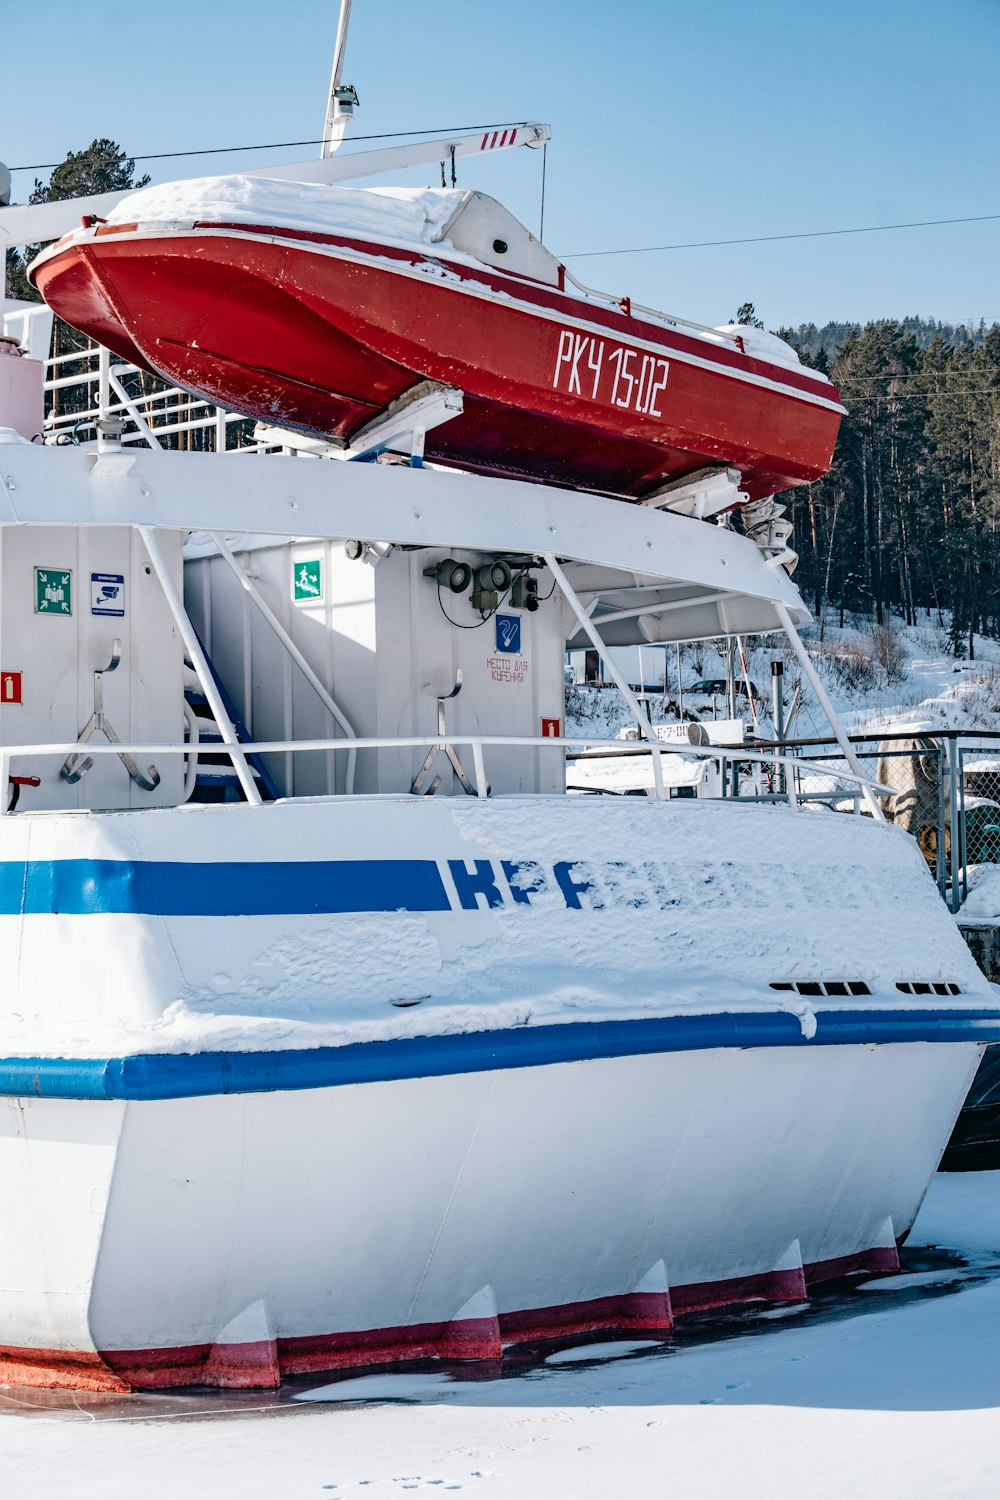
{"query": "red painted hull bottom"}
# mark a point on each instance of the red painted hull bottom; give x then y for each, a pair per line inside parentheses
(298, 336)
(261, 1366)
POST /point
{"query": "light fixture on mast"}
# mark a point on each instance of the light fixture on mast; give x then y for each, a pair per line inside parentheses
(343, 96)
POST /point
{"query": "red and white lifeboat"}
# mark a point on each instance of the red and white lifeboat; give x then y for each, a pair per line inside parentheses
(315, 307)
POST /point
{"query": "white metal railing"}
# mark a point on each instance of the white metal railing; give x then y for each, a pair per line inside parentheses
(239, 753)
(653, 315)
(148, 416)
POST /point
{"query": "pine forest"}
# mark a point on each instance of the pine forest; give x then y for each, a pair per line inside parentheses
(906, 521)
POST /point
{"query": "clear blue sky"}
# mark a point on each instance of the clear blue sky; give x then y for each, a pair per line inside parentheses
(701, 120)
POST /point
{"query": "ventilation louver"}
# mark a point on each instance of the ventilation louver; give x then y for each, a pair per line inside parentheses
(822, 986)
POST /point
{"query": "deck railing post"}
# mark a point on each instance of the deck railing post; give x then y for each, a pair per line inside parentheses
(103, 381)
(479, 766)
(940, 865)
(812, 676)
(589, 629)
(788, 776)
(954, 862)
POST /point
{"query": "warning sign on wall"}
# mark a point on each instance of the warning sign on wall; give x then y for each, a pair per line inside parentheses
(107, 594)
(10, 687)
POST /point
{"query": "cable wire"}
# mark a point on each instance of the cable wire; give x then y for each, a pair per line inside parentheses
(766, 239)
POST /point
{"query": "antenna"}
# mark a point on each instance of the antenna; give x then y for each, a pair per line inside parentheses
(343, 96)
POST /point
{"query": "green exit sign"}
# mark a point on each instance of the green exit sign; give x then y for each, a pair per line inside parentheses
(307, 581)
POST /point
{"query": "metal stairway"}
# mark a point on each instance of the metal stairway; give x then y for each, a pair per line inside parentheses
(216, 780)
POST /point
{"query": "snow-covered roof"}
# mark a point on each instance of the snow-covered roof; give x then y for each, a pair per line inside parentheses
(409, 214)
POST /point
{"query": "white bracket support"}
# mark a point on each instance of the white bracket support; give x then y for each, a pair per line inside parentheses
(267, 436)
(700, 495)
(401, 427)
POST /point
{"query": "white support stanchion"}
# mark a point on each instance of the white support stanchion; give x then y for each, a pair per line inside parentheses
(641, 717)
(812, 676)
(132, 409)
(187, 633)
(103, 381)
(479, 768)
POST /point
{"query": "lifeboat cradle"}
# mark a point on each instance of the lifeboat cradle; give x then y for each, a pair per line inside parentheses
(415, 1054)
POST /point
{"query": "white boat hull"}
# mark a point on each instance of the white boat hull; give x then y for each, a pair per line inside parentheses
(263, 1115)
(237, 1238)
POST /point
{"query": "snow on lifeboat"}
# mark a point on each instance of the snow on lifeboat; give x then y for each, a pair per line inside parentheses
(316, 307)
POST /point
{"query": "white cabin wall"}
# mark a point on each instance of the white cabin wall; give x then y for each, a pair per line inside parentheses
(57, 656)
(424, 664)
(378, 640)
(271, 695)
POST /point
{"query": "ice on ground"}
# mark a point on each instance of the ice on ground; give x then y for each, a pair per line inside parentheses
(891, 1401)
(380, 1387)
(893, 1284)
(619, 1349)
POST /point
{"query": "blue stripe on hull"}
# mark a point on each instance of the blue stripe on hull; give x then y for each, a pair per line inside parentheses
(83, 887)
(189, 1075)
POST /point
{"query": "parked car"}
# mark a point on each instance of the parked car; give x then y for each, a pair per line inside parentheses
(713, 687)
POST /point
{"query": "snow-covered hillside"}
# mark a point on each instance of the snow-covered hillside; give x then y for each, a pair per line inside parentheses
(879, 678)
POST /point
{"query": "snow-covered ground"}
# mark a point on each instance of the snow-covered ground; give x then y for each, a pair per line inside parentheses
(927, 684)
(881, 680)
(891, 1389)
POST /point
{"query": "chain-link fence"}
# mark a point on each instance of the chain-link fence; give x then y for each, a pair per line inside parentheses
(947, 792)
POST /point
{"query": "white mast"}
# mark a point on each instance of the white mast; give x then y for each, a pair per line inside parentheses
(343, 96)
